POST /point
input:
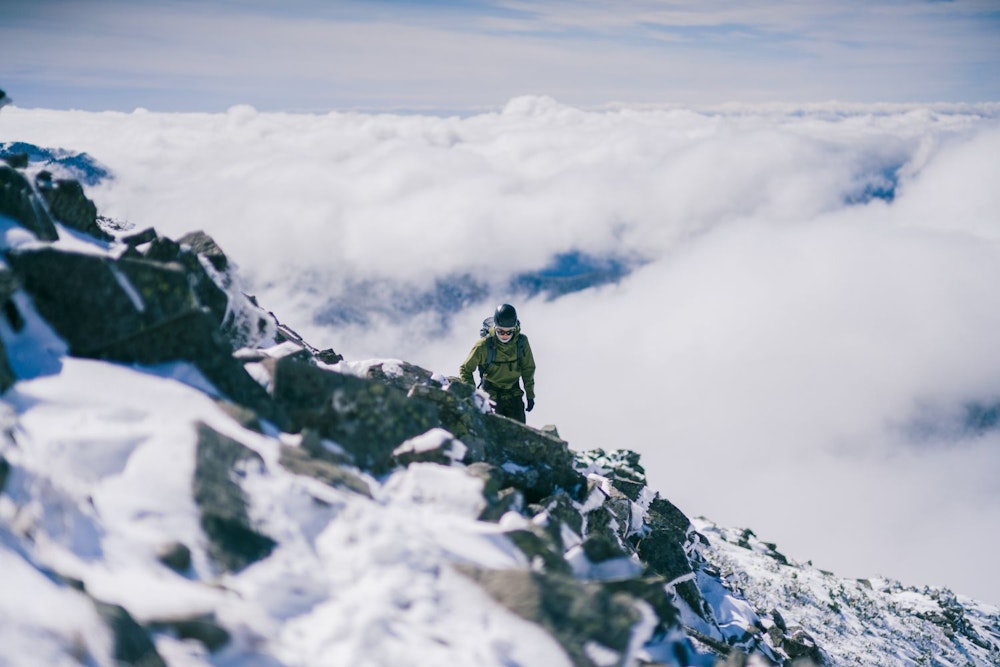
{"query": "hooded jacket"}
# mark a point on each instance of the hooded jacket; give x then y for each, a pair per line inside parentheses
(503, 374)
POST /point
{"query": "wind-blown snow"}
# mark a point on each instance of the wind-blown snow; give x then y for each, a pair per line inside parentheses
(810, 309)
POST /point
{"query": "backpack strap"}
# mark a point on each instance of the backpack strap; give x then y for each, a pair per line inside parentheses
(491, 352)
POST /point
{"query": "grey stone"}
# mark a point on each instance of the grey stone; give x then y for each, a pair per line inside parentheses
(176, 556)
(69, 205)
(575, 613)
(299, 461)
(132, 643)
(234, 543)
(204, 245)
(203, 628)
(135, 311)
(368, 418)
(19, 202)
(4, 472)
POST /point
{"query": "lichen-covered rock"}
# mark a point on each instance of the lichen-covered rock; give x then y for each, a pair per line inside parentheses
(535, 462)
(368, 418)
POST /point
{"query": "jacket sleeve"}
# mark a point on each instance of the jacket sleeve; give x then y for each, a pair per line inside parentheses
(528, 370)
(472, 362)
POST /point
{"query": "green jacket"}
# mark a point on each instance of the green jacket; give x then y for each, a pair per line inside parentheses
(503, 374)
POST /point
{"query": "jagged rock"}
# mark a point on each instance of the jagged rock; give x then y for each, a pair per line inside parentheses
(18, 202)
(324, 450)
(329, 356)
(176, 556)
(555, 512)
(435, 446)
(204, 245)
(202, 628)
(4, 472)
(799, 644)
(69, 205)
(577, 614)
(401, 374)
(540, 550)
(621, 467)
(15, 160)
(8, 285)
(458, 414)
(132, 645)
(241, 414)
(369, 419)
(7, 377)
(600, 548)
(499, 500)
(663, 547)
(663, 551)
(163, 249)
(136, 311)
(233, 542)
(298, 460)
(507, 500)
(534, 462)
(652, 589)
(147, 235)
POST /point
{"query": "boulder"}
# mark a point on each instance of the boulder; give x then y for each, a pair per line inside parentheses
(19, 203)
(233, 542)
(132, 643)
(537, 463)
(203, 628)
(69, 205)
(581, 616)
(134, 311)
(205, 246)
(4, 472)
(176, 556)
(300, 461)
(435, 446)
(368, 418)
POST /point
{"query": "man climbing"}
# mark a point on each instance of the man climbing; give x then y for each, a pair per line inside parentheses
(503, 357)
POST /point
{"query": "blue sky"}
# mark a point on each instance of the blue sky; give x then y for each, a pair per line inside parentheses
(306, 55)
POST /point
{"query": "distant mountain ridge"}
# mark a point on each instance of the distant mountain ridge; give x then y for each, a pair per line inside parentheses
(296, 442)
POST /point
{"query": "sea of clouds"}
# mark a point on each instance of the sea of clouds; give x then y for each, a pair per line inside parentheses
(801, 345)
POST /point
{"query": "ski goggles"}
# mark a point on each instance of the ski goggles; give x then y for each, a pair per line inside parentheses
(505, 333)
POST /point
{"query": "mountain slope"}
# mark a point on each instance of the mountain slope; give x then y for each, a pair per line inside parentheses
(185, 481)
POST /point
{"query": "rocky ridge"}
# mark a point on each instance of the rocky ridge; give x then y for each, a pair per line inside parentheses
(613, 571)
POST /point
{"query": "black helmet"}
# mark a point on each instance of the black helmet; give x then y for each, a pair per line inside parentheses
(505, 316)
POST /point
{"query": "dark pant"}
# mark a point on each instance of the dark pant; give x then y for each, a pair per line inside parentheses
(510, 406)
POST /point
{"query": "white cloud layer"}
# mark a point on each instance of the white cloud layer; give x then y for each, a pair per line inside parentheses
(817, 306)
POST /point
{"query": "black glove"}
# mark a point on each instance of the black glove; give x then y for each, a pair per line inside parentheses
(531, 404)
